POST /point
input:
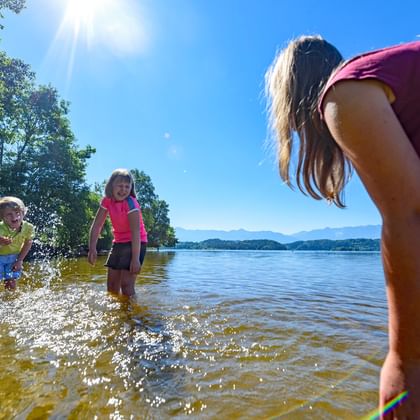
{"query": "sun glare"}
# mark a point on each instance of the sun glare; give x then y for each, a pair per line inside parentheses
(82, 11)
(114, 24)
(96, 32)
(121, 28)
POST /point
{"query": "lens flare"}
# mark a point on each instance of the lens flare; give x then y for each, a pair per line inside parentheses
(388, 407)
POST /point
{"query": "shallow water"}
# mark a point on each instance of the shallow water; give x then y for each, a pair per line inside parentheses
(213, 334)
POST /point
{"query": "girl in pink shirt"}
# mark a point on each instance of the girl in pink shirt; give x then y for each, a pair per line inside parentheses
(130, 237)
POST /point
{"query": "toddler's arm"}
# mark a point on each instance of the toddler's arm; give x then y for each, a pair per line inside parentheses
(4, 240)
(17, 266)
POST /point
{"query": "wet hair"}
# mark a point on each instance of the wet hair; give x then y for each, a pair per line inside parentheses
(124, 174)
(294, 82)
(11, 203)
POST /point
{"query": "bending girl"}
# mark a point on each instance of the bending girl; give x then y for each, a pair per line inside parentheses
(363, 113)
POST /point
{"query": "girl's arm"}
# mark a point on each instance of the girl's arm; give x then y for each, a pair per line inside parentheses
(361, 120)
(134, 220)
(94, 232)
(17, 266)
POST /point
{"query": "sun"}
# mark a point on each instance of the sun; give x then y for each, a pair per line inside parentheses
(119, 25)
(82, 11)
(90, 34)
(80, 15)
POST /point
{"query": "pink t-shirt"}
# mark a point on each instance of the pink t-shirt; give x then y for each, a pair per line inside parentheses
(399, 68)
(118, 212)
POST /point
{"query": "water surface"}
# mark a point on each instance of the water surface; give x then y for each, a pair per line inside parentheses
(213, 334)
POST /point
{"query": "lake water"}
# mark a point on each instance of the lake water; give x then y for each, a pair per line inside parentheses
(213, 335)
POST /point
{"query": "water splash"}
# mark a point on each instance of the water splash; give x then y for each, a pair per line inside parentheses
(80, 335)
(44, 268)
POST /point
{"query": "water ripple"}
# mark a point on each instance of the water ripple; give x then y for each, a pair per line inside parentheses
(214, 334)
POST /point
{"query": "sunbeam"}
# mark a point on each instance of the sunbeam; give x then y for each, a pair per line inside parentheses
(119, 28)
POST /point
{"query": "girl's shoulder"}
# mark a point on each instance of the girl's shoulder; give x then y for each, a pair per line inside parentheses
(389, 66)
(105, 202)
(369, 63)
(132, 203)
(28, 228)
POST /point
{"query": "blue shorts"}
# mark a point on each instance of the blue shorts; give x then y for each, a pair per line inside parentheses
(6, 265)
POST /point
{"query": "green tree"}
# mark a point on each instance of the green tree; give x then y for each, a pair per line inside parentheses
(171, 239)
(106, 237)
(145, 189)
(155, 212)
(16, 82)
(13, 5)
(39, 158)
(145, 192)
(158, 230)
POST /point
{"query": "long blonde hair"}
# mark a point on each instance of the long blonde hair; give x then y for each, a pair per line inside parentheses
(294, 83)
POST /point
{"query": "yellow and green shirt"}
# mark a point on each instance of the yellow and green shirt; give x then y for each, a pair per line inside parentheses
(26, 232)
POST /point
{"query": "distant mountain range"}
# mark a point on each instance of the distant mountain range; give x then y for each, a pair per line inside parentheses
(350, 232)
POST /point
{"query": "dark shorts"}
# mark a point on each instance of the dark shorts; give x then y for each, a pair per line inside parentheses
(119, 258)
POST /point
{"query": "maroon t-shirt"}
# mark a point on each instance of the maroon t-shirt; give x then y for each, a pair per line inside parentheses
(399, 68)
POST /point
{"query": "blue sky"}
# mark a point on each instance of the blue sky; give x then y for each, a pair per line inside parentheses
(175, 88)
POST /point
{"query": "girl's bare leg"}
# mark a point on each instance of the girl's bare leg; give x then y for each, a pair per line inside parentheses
(128, 281)
(10, 284)
(114, 280)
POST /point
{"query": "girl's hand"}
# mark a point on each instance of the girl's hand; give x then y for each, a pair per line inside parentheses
(4, 240)
(135, 266)
(17, 266)
(397, 378)
(92, 255)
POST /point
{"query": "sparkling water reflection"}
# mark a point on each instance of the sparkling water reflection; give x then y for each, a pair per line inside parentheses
(223, 334)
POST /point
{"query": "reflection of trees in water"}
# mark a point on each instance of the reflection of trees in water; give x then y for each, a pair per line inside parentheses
(11, 383)
(155, 266)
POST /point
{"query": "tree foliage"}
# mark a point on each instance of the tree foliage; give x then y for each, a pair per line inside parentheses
(41, 163)
(265, 244)
(39, 158)
(251, 244)
(361, 244)
(15, 6)
(155, 212)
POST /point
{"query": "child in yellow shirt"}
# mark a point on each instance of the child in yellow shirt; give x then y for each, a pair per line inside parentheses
(15, 239)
